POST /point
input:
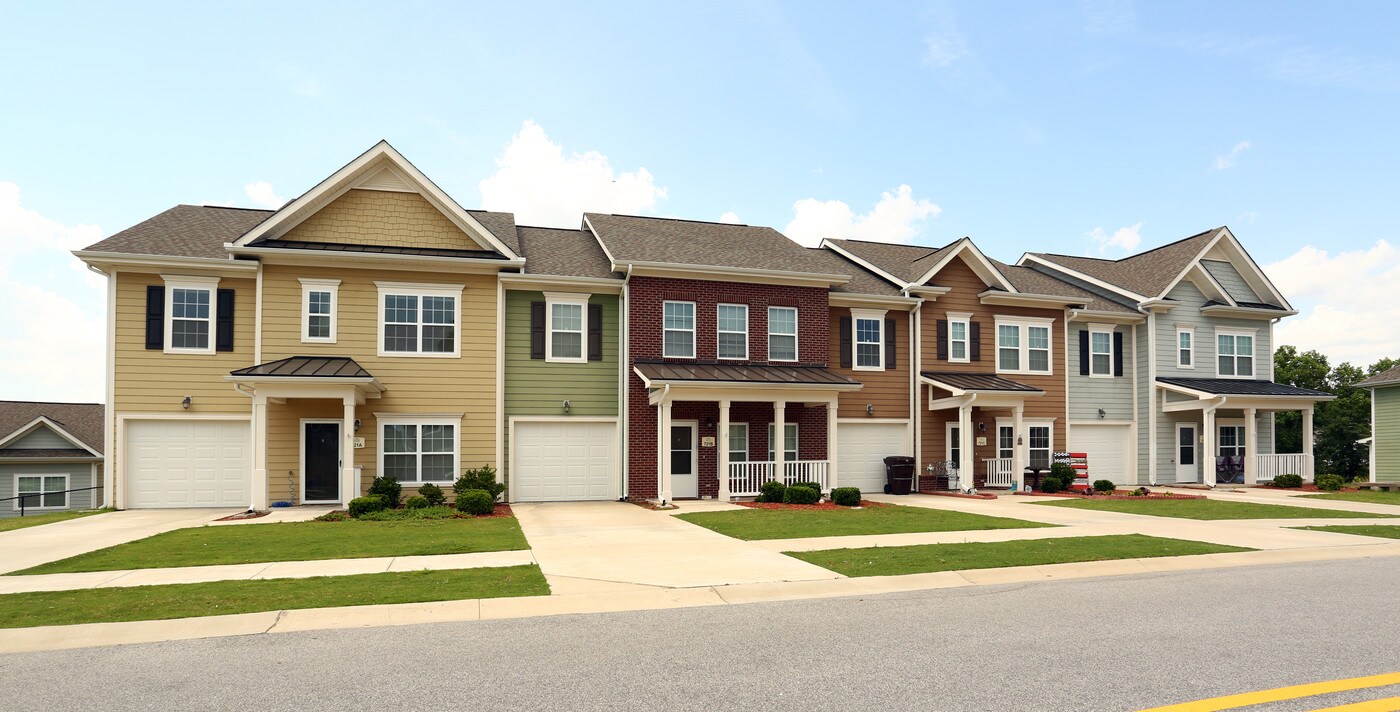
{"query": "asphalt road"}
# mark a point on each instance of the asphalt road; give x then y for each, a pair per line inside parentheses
(1100, 644)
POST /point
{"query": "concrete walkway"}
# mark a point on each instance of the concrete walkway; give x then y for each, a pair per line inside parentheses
(302, 513)
(24, 548)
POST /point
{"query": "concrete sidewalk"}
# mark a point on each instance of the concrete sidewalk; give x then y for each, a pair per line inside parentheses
(31, 546)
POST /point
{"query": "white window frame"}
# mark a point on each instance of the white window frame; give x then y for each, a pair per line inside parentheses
(563, 298)
(720, 331)
(40, 494)
(207, 284)
(966, 340)
(732, 428)
(796, 442)
(694, 322)
(1049, 425)
(386, 289)
(1108, 369)
(1027, 424)
(382, 421)
(308, 285)
(1253, 353)
(1023, 326)
(877, 316)
(796, 326)
(1190, 350)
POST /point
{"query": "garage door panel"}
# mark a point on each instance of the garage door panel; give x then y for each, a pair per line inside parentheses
(187, 464)
(861, 451)
(1107, 448)
(556, 461)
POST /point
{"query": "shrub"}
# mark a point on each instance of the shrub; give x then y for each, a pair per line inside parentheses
(810, 485)
(1051, 484)
(390, 488)
(1103, 486)
(772, 492)
(417, 501)
(846, 496)
(475, 501)
(1288, 481)
(398, 515)
(433, 494)
(367, 504)
(802, 495)
(1064, 473)
(336, 516)
(482, 478)
(1329, 483)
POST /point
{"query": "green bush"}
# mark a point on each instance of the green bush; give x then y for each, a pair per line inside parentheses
(390, 488)
(482, 478)
(1051, 484)
(1288, 481)
(369, 503)
(1329, 483)
(1103, 486)
(846, 496)
(1064, 473)
(417, 501)
(772, 491)
(336, 516)
(433, 494)
(810, 485)
(801, 495)
(476, 502)
(398, 515)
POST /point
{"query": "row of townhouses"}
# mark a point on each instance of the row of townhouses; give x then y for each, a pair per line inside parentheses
(374, 327)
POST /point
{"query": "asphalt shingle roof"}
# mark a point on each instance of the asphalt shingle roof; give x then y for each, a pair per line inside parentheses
(1030, 281)
(501, 225)
(631, 238)
(184, 231)
(563, 252)
(863, 281)
(1147, 273)
(82, 420)
(1240, 387)
(1383, 378)
(907, 262)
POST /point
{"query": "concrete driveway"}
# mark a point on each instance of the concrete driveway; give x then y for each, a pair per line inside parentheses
(32, 546)
(596, 546)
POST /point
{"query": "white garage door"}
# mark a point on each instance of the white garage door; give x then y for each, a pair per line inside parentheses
(1107, 449)
(561, 461)
(861, 449)
(187, 463)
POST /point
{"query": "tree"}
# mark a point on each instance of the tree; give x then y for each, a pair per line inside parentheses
(1337, 424)
(1304, 370)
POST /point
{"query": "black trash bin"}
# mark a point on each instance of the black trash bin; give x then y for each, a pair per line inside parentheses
(899, 474)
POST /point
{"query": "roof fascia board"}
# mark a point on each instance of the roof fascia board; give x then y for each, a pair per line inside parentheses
(988, 271)
(122, 259)
(1024, 299)
(846, 299)
(829, 245)
(724, 274)
(1199, 270)
(1247, 312)
(1080, 275)
(598, 285)
(606, 252)
(1261, 277)
(44, 421)
(1110, 317)
(379, 260)
(1195, 262)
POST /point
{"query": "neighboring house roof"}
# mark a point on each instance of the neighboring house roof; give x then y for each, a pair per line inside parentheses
(1146, 273)
(83, 421)
(563, 252)
(863, 281)
(500, 225)
(1247, 305)
(1030, 281)
(904, 262)
(977, 382)
(184, 231)
(307, 367)
(1384, 378)
(382, 249)
(653, 371)
(631, 238)
(35, 453)
(1241, 387)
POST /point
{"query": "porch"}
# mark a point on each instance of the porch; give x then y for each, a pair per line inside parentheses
(977, 433)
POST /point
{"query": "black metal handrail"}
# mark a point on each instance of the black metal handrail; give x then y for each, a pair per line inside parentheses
(33, 502)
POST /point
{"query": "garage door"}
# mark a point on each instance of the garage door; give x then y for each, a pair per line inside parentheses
(1107, 449)
(861, 449)
(559, 461)
(187, 463)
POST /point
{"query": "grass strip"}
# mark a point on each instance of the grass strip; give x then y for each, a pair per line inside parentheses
(1385, 531)
(1367, 496)
(34, 520)
(1206, 509)
(753, 524)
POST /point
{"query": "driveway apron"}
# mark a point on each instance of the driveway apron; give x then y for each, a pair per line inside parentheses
(31, 546)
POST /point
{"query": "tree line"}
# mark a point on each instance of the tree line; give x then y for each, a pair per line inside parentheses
(1337, 424)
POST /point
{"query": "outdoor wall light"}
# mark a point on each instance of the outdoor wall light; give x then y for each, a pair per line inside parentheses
(1019, 441)
(357, 425)
(870, 409)
(709, 422)
(981, 427)
(186, 402)
(566, 406)
(1102, 413)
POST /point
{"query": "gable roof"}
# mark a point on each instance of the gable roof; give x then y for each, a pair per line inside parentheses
(666, 241)
(83, 421)
(502, 225)
(1030, 281)
(863, 281)
(1384, 378)
(184, 231)
(563, 252)
(905, 263)
(1146, 274)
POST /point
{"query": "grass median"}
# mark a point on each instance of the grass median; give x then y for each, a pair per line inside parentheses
(34, 520)
(753, 524)
(1367, 496)
(1205, 509)
(1385, 531)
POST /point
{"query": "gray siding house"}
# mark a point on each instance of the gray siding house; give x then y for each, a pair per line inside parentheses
(47, 451)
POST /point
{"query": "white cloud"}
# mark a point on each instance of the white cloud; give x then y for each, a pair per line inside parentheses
(542, 186)
(1285, 59)
(950, 57)
(1228, 160)
(299, 81)
(1348, 302)
(1108, 17)
(1124, 238)
(731, 217)
(944, 48)
(262, 195)
(896, 218)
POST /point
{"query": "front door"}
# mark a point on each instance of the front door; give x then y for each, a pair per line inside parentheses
(1187, 462)
(320, 462)
(684, 482)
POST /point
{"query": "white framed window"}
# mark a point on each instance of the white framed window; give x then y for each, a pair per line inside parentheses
(319, 301)
(1023, 346)
(732, 341)
(417, 449)
(738, 442)
(1235, 354)
(959, 335)
(1006, 441)
(678, 329)
(42, 491)
(1185, 348)
(1100, 353)
(1231, 442)
(869, 332)
(419, 319)
(565, 335)
(789, 443)
(782, 333)
(1040, 441)
(190, 311)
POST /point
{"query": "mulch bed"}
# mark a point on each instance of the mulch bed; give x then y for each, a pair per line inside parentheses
(864, 503)
(250, 514)
(501, 510)
(964, 495)
(1307, 487)
(1114, 495)
(653, 506)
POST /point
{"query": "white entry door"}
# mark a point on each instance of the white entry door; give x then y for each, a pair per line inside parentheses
(685, 482)
(1188, 454)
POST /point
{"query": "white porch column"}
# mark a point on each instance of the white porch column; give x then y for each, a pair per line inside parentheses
(258, 499)
(966, 474)
(1251, 447)
(1021, 446)
(349, 488)
(663, 453)
(723, 441)
(831, 410)
(1208, 448)
(1308, 446)
(779, 441)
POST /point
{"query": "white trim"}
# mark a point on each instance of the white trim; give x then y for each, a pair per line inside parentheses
(380, 421)
(301, 458)
(202, 284)
(419, 291)
(330, 286)
(42, 491)
(796, 328)
(551, 299)
(1023, 325)
(258, 315)
(1190, 331)
(1253, 354)
(540, 282)
(796, 441)
(44, 420)
(980, 265)
(500, 385)
(154, 263)
(729, 443)
(966, 320)
(694, 327)
(1106, 330)
(828, 244)
(1027, 257)
(948, 444)
(719, 331)
(109, 410)
(877, 316)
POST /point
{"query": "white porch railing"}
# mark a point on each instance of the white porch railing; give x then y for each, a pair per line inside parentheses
(999, 471)
(746, 478)
(1271, 466)
(806, 471)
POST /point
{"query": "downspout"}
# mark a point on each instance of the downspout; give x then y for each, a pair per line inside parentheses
(915, 365)
(258, 317)
(623, 402)
(501, 384)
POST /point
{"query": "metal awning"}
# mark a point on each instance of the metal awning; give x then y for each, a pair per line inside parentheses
(1217, 393)
(308, 372)
(960, 383)
(659, 373)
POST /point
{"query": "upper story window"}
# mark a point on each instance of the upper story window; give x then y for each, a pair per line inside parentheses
(190, 310)
(568, 322)
(958, 338)
(678, 330)
(1023, 346)
(1185, 348)
(1101, 354)
(419, 319)
(1235, 354)
(782, 334)
(733, 337)
(318, 307)
(869, 339)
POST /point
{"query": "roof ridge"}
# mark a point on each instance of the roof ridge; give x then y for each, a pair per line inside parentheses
(51, 402)
(545, 227)
(225, 207)
(1127, 257)
(685, 220)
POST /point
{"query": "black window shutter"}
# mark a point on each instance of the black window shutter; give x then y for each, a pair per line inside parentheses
(1117, 353)
(1084, 354)
(974, 339)
(536, 329)
(595, 332)
(942, 339)
(891, 344)
(845, 342)
(223, 326)
(155, 317)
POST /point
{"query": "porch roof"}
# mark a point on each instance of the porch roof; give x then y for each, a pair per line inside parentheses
(959, 383)
(660, 373)
(1239, 387)
(328, 367)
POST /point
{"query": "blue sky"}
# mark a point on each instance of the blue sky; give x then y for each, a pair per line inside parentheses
(1085, 128)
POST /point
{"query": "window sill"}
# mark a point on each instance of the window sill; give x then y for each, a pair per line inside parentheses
(417, 354)
(188, 352)
(566, 360)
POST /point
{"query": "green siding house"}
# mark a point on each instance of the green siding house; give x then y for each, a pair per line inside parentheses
(1385, 425)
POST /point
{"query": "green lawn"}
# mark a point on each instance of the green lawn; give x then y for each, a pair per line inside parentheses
(1380, 530)
(139, 603)
(1205, 509)
(1366, 496)
(297, 541)
(34, 520)
(752, 524)
(898, 560)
